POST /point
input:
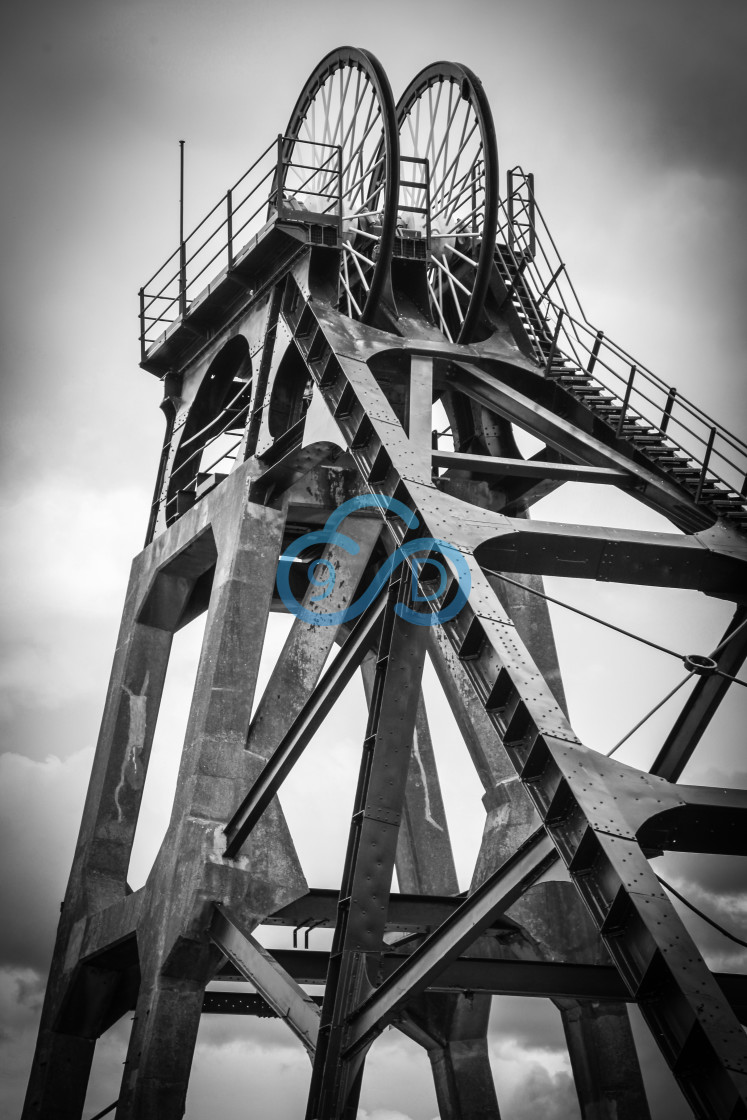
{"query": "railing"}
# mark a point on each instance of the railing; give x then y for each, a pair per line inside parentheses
(416, 223)
(213, 449)
(290, 175)
(520, 210)
(638, 399)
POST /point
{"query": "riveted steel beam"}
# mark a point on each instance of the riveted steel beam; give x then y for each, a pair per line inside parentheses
(526, 468)
(447, 942)
(683, 1004)
(304, 727)
(369, 860)
(273, 983)
(615, 555)
(407, 913)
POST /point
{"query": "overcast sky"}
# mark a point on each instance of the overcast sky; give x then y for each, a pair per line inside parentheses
(631, 115)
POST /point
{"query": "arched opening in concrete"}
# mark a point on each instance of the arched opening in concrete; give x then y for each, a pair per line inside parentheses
(213, 431)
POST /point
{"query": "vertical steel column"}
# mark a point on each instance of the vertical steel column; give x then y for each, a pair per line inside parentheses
(369, 862)
(453, 1028)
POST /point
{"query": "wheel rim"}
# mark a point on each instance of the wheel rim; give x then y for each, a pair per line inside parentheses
(444, 117)
(347, 103)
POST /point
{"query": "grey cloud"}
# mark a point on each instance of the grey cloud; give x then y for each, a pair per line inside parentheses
(551, 1096)
(680, 64)
(531, 1023)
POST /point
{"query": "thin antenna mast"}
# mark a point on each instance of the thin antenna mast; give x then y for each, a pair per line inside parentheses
(182, 246)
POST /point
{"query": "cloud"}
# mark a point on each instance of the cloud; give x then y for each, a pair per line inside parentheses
(630, 112)
(382, 1114)
(21, 993)
(715, 884)
(40, 808)
(528, 1086)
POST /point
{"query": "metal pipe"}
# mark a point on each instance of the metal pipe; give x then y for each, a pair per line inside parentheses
(279, 175)
(229, 226)
(182, 245)
(141, 295)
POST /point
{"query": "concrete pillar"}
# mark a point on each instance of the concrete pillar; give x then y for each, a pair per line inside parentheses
(61, 1065)
(604, 1061)
(59, 1076)
(162, 1042)
(216, 770)
(305, 652)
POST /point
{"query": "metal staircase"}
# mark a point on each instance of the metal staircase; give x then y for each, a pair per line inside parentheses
(639, 409)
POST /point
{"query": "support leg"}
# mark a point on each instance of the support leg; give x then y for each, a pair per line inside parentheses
(369, 860)
(453, 1028)
(605, 1066)
(190, 872)
(162, 1043)
(599, 1045)
(61, 1065)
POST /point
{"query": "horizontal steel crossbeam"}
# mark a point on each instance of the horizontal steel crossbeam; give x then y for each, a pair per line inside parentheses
(525, 468)
(495, 976)
(411, 913)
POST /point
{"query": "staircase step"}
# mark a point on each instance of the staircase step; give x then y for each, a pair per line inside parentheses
(728, 503)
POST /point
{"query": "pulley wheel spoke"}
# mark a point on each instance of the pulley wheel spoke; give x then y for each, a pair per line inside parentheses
(340, 159)
(447, 142)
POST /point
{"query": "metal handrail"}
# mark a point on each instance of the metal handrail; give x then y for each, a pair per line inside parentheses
(177, 277)
(585, 321)
(537, 272)
(413, 185)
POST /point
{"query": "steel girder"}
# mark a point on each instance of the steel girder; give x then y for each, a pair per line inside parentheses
(573, 790)
(591, 808)
(370, 414)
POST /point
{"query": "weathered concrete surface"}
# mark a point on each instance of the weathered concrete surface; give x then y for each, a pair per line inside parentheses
(61, 1065)
(190, 872)
(243, 541)
(308, 645)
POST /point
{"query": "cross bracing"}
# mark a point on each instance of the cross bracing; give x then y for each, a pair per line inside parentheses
(302, 357)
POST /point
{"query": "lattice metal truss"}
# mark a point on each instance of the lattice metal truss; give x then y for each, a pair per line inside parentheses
(365, 273)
